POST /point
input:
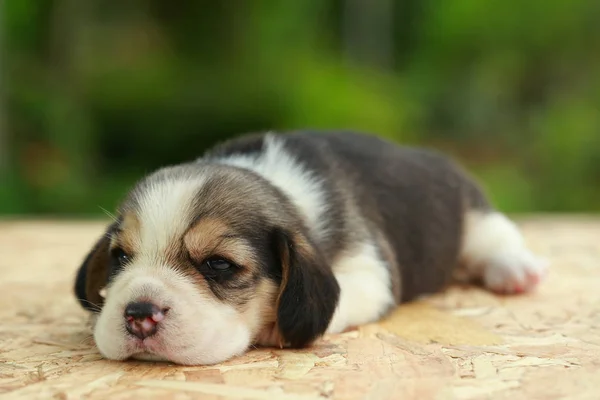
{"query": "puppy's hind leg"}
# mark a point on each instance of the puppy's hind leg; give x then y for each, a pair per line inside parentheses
(494, 251)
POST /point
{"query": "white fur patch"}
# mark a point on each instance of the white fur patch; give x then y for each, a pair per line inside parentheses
(283, 171)
(164, 209)
(494, 249)
(365, 292)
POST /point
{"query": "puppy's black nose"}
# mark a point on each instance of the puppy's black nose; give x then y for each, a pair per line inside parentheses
(142, 318)
(140, 310)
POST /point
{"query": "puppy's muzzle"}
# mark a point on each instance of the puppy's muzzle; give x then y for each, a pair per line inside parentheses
(142, 318)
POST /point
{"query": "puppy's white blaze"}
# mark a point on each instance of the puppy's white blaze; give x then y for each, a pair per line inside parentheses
(283, 171)
(192, 331)
(365, 292)
(163, 209)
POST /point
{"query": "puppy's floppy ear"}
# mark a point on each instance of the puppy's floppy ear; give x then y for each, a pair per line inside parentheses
(92, 275)
(308, 294)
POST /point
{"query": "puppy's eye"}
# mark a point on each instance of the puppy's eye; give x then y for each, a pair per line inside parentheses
(120, 257)
(216, 269)
(218, 264)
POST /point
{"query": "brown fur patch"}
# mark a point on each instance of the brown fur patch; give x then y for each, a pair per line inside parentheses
(210, 237)
(260, 310)
(128, 235)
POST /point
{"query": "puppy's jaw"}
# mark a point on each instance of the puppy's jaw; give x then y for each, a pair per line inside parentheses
(197, 330)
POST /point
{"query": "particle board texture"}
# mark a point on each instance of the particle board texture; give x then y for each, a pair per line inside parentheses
(464, 343)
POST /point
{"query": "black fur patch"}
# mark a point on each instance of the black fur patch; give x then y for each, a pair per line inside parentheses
(93, 273)
(309, 292)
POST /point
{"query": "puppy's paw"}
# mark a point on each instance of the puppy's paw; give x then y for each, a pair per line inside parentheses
(514, 271)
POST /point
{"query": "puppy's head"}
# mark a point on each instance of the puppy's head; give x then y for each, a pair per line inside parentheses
(202, 262)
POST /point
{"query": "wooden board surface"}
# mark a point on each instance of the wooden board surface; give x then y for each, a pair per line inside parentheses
(463, 344)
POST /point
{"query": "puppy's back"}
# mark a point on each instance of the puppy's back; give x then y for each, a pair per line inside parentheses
(417, 197)
(409, 200)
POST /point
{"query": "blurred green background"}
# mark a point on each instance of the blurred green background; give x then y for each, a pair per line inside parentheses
(95, 94)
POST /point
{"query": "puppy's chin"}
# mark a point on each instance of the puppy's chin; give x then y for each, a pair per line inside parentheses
(198, 330)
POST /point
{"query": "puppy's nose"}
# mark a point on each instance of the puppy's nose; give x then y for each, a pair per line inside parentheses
(142, 318)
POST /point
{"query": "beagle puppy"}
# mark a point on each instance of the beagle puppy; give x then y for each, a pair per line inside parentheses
(277, 239)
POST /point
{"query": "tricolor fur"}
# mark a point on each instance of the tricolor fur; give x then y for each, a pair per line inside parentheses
(277, 239)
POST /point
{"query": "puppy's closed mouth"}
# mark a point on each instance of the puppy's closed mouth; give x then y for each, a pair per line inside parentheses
(278, 239)
(148, 349)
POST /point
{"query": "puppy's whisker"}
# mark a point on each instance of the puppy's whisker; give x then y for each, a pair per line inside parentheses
(109, 235)
(108, 214)
(94, 307)
(86, 340)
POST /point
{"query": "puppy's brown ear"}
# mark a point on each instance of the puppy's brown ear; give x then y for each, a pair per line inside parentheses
(309, 291)
(92, 275)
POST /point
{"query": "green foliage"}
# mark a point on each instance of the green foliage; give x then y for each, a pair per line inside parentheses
(98, 94)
